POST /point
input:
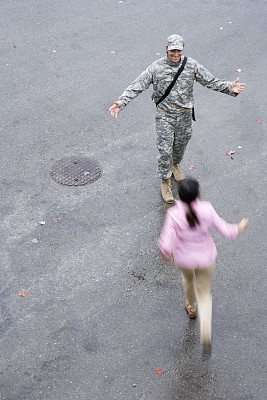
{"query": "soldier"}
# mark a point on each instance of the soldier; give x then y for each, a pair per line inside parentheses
(175, 113)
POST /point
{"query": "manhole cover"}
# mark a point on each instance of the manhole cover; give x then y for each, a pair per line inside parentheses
(75, 171)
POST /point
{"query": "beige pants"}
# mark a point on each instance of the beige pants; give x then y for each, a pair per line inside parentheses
(197, 290)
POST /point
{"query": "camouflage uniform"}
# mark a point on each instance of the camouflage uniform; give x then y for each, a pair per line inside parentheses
(174, 114)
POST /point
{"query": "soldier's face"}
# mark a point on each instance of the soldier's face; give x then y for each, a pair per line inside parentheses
(174, 55)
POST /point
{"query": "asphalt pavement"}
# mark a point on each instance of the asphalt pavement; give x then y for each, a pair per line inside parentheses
(88, 311)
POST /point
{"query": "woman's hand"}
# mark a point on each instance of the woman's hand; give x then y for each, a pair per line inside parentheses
(166, 260)
(242, 225)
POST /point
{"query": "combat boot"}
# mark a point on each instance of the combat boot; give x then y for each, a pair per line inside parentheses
(166, 191)
(177, 173)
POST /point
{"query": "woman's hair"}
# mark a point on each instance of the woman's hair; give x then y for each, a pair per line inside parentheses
(188, 191)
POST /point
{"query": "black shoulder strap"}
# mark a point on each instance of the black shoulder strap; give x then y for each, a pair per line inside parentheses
(169, 88)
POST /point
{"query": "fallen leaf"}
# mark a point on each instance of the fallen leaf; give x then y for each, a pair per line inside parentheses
(22, 294)
(35, 240)
(192, 167)
(160, 371)
(229, 153)
(42, 222)
(238, 70)
(202, 162)
(259, 122)
(57, 219)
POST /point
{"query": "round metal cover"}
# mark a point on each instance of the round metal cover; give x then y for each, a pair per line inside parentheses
(75, 171)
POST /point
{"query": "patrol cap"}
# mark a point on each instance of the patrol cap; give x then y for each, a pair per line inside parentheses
(175, 42)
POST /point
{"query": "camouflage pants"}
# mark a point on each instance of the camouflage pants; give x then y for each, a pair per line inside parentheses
(173, 133)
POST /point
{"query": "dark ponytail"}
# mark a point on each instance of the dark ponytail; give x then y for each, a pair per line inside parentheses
(192, 217)
(188, 192)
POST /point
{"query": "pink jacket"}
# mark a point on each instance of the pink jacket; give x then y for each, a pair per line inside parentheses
(193, 247)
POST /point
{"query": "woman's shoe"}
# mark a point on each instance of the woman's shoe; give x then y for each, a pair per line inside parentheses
(191, 314)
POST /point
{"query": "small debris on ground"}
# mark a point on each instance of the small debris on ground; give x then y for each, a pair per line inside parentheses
(160, 371)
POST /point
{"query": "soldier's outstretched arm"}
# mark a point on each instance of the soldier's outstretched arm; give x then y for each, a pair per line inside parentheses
(115, 109)
(205, 78)
(133, 90)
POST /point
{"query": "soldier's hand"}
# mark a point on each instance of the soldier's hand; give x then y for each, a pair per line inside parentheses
(115, 109)
(238, 87)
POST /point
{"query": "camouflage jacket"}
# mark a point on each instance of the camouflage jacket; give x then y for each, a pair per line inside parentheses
(161, 73)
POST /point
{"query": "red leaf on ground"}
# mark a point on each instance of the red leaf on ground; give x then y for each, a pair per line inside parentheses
(160, 371)
(192, 167)
(22, 294)
(259, 122)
